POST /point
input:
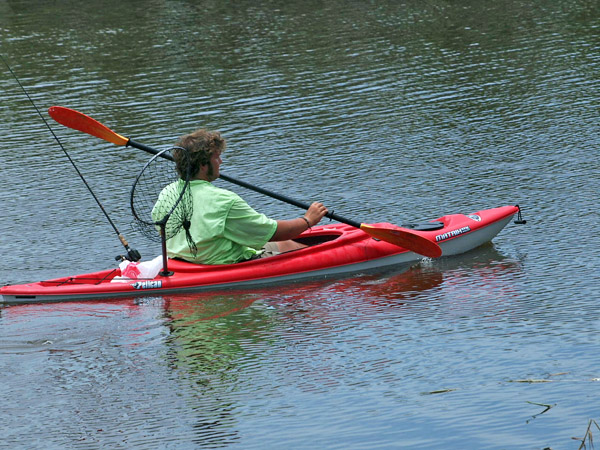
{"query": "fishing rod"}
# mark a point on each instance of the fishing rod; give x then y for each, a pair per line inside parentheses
(132, 254)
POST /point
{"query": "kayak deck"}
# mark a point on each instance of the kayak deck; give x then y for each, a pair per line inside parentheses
(332, 250)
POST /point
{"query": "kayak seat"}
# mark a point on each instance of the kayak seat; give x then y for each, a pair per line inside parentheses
(427, 226)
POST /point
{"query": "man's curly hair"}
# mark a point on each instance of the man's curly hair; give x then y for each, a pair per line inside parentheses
(201, 145)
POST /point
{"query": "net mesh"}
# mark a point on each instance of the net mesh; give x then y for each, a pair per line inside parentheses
(161, 200)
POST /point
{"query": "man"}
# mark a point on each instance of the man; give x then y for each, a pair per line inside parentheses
(223, 227)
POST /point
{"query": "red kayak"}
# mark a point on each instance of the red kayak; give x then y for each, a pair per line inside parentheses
(332, 250)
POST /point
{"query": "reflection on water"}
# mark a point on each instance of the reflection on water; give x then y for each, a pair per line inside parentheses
(228, 346)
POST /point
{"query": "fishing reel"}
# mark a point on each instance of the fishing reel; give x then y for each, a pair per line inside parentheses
(132, 255)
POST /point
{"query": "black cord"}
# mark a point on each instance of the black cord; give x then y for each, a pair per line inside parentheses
(520, 220)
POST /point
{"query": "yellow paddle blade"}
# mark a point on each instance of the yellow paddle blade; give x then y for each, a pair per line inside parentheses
(405, 239)
(79, 121)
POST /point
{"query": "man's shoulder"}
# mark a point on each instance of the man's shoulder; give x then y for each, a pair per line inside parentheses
(215, 191)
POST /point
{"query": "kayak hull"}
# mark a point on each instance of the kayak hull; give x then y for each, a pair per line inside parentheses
(333, 250)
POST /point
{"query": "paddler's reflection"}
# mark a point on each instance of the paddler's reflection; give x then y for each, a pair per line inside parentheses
(218, 341)
(211, 332)
(209, 335)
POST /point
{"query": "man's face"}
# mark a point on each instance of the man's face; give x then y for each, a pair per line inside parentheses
(213, 170)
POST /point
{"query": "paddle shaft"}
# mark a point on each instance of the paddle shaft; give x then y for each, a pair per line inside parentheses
(260, 190)
(393, 235)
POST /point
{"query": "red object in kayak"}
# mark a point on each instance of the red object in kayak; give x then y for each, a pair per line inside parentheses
(332, 250)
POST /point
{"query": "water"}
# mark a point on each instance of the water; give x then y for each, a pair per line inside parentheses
(385, 111)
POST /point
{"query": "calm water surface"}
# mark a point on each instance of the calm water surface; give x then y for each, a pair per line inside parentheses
(385, 111)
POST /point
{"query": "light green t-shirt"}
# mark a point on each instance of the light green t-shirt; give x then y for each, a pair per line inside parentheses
(223, 226)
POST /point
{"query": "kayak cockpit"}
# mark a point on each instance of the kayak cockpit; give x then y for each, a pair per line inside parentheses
(311, 240)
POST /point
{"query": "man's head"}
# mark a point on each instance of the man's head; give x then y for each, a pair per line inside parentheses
(203, 146)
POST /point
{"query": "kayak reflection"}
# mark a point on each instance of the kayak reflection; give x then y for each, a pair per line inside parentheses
(226, 346)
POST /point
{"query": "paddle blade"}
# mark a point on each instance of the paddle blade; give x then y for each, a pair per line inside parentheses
(405, 239)
(79, 121)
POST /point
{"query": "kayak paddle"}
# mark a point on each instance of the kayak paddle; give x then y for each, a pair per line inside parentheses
(394, 235)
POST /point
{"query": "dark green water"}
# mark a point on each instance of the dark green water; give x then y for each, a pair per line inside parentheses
(385, 111)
